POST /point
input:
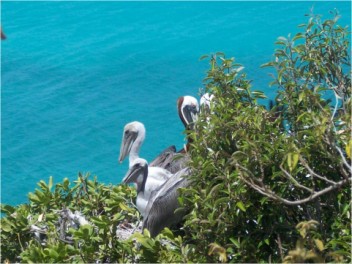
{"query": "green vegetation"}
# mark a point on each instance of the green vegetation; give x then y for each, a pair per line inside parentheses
(269, 185)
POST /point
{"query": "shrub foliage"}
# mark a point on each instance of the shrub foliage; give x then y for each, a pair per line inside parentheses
(260, 172)
(268, 184)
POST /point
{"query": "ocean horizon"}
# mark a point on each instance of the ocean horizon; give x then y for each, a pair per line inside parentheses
(74, 73)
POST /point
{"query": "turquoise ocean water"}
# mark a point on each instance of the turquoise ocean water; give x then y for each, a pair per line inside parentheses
(74, 73)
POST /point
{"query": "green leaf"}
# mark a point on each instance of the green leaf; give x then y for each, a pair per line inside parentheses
(53, 254)
(298, 36)
(319, 244)
(220, 201)
(268, 64)
(266, 241)
(34, 198)
(66, 183)
(50, 185)
(8, 209)
(259, 94)
(220, 54)
(301, 116)
(241, 206)
(215, 189)
(292, 160)
(97, 239)
(6, 227)
(235, 242)
(282, 39)
(219, 250)
(239, 69)
(168, 233)
(124, 207)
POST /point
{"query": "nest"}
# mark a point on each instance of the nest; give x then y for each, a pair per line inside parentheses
(126, 229)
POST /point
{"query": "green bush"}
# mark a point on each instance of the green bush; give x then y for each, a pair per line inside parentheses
(258, 172)
(268, 185)
(103, 206)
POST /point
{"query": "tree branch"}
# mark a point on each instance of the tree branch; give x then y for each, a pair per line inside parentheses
(343, 158)
(296, 183)
(314, 174)
(270, 194)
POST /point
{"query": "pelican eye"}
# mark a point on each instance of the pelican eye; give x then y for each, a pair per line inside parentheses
(193, 107)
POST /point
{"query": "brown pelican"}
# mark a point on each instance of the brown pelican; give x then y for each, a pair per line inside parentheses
(188, 109)
(132, 140)
(147, 179)
(160, 211)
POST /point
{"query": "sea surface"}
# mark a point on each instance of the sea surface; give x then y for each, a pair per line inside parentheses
(74, 73)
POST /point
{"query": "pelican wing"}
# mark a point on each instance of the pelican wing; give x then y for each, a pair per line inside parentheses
(164, 158)
(179, 161)
(171, 160)
(163, 203)
(164, 190)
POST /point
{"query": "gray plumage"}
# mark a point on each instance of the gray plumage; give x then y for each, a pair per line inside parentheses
(171, 160)
(160, 211)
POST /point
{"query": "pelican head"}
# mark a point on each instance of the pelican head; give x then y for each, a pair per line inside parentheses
(131, 132)
(138, 174)
(188, 109)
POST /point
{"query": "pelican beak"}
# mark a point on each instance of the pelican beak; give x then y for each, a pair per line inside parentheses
(190, 112)
(133, 174)
(127, 141)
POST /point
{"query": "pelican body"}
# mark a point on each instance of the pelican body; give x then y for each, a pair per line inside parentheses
(160, 211)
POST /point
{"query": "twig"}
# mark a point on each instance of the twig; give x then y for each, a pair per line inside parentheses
(296, 183)
(343, 158)
(314, 174)
(280, 246)
(81, 254)
(260, 166)
(336, 105)
(19, 240)
(249, 172)
(270, 194)
(344, 173)
(137, 225)
(66, 240)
